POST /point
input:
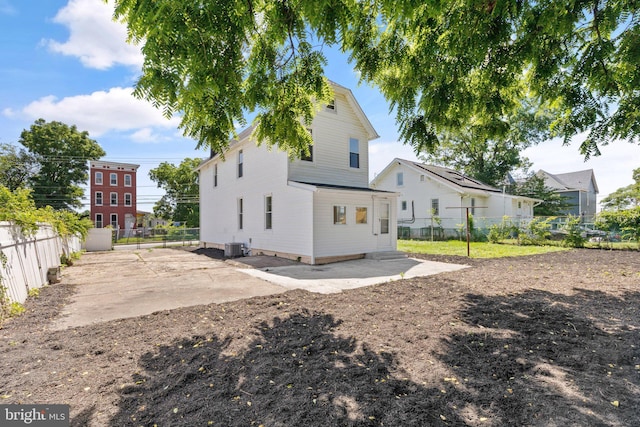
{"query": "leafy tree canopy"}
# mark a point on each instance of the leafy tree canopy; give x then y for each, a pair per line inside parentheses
(468, 150)
(62, 153)
(17, 166)
(441, 65)
(625, 197)
(181, 201)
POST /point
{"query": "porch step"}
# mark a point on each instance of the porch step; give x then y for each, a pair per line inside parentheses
(381, 256)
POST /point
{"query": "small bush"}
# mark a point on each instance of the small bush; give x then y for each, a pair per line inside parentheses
(574, 237)
(536, 232)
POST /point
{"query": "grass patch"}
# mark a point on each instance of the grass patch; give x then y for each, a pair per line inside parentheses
(478, 249)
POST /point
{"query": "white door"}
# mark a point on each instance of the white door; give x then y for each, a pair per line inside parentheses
(384, 225)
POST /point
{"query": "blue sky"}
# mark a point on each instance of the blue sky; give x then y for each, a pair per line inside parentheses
(65, 60)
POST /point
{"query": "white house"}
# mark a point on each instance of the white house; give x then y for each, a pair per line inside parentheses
(434, 197)
(317, 209)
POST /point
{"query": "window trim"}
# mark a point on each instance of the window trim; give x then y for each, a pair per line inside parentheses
(354, 155)
(240, 213)
(240, 163)
(111, 221)
(399, 179)
(95, 178)
(331, 106)
(96, 198)
(435, 211)
(101, 222)
(215, 175)
(403, 205)
(130, 204)
(113, 179)
(268, 212)
(339, 215)
(366, 215)
(113, 193)
(128, 175)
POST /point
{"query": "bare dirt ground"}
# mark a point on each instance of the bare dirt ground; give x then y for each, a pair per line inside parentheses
(551, 340)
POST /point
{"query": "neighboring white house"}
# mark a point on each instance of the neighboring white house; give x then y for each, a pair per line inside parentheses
(318, 209)
(434, 197)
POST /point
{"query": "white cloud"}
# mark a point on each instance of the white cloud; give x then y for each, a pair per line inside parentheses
(8, 112)
(94, 37)
(146, 135)
(101, 112)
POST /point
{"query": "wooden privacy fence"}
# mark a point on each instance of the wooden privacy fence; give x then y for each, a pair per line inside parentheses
(26, 260)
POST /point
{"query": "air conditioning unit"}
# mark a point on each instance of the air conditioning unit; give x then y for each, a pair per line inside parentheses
(232, 250)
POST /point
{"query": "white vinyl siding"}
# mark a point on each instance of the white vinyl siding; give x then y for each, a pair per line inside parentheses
(331, 134)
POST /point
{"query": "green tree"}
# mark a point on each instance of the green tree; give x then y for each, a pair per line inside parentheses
(533, 186)
(17, 166)
(468, 150)
(181, 200)
(625, 197)
(62, 153)
(441, 65)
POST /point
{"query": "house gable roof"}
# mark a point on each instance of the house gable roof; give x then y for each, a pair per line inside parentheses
(570, 181)
(449, 177)
(245, 135)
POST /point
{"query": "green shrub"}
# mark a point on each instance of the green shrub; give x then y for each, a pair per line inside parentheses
(536, 232)
(574, 237)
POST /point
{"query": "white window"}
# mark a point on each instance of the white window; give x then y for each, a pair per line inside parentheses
(354, 153)
(400, 179)
(361, 215)
(240, 163)
(240, 214)
(127, 199)
(114, 199)
(113, 179)
(435, 207)
(339, 214)
(98, 198)
(127, 180)
(404, 205)
(114, 220)
(215, 175)
(99, 178)
(268, 212)
(98, 220)
(384, 218)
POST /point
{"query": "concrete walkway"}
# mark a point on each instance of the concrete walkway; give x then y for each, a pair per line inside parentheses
(120, 284)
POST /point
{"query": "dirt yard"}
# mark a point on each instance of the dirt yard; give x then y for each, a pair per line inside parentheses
(551, 340)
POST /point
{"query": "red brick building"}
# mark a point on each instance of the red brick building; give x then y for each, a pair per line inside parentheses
(113, 194)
